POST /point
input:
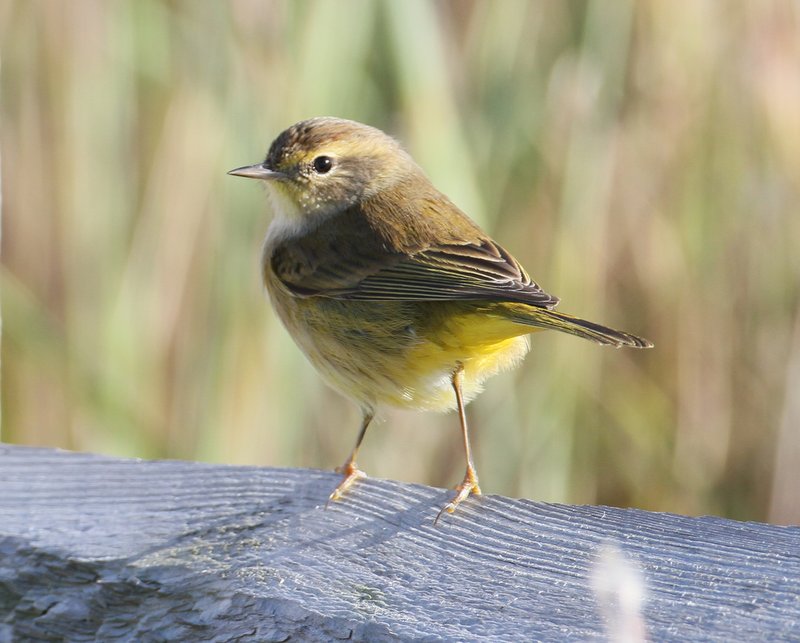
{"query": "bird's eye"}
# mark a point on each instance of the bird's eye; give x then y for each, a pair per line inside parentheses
(322, 164)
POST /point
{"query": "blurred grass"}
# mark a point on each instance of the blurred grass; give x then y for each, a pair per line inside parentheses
(641, 159)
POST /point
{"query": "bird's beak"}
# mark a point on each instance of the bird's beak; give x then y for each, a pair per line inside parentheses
(257, 172)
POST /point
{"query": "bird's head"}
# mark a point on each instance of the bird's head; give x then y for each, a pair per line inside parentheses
(324, 165)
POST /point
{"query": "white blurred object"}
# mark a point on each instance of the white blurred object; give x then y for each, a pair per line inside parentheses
(619, 589)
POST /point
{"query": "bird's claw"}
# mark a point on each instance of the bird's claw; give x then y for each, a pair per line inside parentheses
(468, 487)
(351, 473)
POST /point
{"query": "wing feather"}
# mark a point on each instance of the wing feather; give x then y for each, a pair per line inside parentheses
(454, 271)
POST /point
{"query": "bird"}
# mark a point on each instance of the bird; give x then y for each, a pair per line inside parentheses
(394, 294)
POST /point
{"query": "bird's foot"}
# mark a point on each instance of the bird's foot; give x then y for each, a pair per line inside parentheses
(351, 473)
(463, 491)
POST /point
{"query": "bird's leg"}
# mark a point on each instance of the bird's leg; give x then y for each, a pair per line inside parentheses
(350, 469)
(470, 483)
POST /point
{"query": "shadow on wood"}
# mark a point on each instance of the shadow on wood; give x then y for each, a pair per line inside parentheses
(101, 548)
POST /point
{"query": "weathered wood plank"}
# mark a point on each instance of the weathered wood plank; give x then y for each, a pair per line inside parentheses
(96, 548)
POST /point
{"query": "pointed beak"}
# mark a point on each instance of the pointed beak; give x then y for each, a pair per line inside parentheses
(257, 172)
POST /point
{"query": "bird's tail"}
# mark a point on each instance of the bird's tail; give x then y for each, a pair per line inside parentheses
(550, 319)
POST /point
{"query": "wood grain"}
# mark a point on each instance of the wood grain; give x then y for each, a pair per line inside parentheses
(97, 548)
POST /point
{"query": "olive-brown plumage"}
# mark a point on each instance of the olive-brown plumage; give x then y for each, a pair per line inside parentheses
(392, 292)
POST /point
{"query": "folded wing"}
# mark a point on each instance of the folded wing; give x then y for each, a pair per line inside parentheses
(478, 270)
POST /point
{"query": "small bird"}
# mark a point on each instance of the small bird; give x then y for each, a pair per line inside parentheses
(394, 294)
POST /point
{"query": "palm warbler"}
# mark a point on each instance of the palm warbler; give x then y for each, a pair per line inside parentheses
(393, 293)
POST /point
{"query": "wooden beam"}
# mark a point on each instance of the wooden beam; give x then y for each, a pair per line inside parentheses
(96, 548)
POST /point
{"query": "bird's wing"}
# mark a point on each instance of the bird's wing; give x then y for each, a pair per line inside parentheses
(480, 269)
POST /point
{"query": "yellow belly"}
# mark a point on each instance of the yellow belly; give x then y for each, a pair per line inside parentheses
(401, 353)
(483, 345)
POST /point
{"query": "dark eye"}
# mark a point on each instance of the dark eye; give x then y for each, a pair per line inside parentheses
(322, 164)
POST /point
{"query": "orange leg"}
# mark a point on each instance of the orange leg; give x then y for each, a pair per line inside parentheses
(470, 483)
(350, 468)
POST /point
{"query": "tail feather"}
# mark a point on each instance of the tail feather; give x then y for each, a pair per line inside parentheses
(543, 318)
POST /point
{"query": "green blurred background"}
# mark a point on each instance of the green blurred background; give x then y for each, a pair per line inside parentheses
(642, 160)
